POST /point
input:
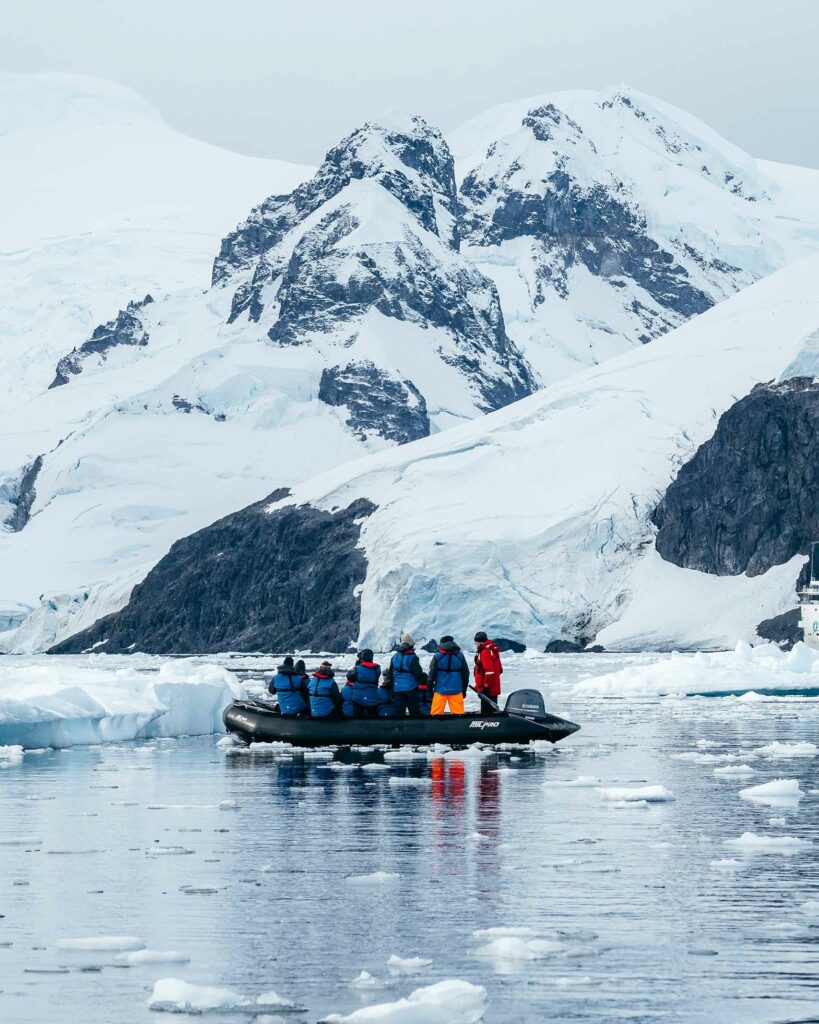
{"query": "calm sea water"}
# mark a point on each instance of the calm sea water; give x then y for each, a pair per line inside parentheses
(644, 925)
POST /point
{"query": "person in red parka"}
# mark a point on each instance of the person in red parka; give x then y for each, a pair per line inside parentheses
(488, 671)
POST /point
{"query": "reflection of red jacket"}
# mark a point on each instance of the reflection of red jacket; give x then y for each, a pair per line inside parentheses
(488, 669)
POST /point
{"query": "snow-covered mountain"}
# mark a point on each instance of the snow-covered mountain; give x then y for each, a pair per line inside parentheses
(100, 203)
(606, 219)
(372, 304)
(534, 522)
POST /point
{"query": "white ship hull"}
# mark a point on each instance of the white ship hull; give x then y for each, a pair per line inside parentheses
(810, 620)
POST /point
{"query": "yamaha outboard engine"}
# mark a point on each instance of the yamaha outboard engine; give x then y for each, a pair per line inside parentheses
(526, 703)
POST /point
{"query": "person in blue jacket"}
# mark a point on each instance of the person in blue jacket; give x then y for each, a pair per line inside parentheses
(448, 677)
(290, 687)
(325, 696)
(403, 676)
(362, 695)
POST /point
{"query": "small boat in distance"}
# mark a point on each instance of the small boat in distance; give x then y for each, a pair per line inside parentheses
(524, 718)
(809, 604)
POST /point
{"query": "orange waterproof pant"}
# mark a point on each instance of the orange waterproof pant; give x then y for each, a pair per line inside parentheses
(440, 701)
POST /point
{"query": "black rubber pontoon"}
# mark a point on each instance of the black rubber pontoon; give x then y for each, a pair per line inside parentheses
(523, 719)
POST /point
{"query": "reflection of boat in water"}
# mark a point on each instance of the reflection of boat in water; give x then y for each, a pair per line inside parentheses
(523, 719)
(809, 604)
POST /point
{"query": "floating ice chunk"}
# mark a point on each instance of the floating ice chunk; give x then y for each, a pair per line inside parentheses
(784, 750)
(173, 995)
(229, 805)
(375, 878)
(726, 864)
(405, 754)
(365, 982)
(153, 956)
(447, 1002)
(322, 754)
(749, 842)
(102, 943)
(407, 965)
(695, 757)
(581, 782)
(374, 766)
(168, 851)
(230, 740)
(810, 908)
(513, 947)
(780, 792)
(629, 803)
(649, 794)
(730, 771)
(409, 780)
(11, 755)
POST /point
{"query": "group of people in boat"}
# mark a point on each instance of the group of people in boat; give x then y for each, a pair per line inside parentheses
(403, 688)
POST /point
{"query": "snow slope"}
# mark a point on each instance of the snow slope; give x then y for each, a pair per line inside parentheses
(100, 203)
(547, 531)
(608, 218)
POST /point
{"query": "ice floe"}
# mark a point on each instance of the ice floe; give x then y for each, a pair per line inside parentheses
(365, 982)
(407, 965)
(778, 793)
(513, 947)
(173, 995)
(764, 669)
(11, 755)
(96, 700)
(636, 794)
(102, 943)
(447, 1002)
(777, 750)
(734, 771)
(152, 956)
(726, 864)
(749, 842)
(374, 878)
(581, 782)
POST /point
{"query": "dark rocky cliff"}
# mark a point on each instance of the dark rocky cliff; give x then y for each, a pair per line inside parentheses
(253, 581)
(749, 498)
(127, 328)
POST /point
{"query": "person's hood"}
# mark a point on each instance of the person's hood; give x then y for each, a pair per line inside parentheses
(287, 670)
(369, 664)
(450, 647)
(406, 649)
(324, 673)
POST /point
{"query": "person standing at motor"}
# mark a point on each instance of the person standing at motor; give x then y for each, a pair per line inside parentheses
(488, 671)
(325, 696)
(290, 687)
(448, 677)
(404, 675)
(362, 695)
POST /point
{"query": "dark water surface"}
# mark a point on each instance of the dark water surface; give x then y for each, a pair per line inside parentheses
(643, 925)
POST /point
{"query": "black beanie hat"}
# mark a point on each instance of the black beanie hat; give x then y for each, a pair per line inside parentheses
(447, 639)
(480, 637)
(288, 661)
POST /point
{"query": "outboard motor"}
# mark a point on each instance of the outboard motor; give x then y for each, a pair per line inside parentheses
(526, 704)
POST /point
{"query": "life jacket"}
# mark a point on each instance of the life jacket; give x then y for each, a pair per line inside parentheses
(449, 680)
(365, 684)
(488, 678)
(288, 685)
(320, 689)
(402, 677)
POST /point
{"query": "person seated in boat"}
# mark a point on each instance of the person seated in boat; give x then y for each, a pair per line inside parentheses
(403, 676)
(325, 696)
(290, 688)
(362, 695)
(448, 677)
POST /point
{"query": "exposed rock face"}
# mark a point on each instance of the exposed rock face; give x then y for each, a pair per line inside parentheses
(127, 328)
(749, 498)
(783, 629)
(375, 231)
(574, 215)
(377, 402)
(413, 163)
(254, 581)
(21, 497)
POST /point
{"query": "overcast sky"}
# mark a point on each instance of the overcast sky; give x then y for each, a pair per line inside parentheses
(289, 79)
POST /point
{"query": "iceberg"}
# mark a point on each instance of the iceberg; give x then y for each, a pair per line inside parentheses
(779, 793)
(64, 702)
(764, 670)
